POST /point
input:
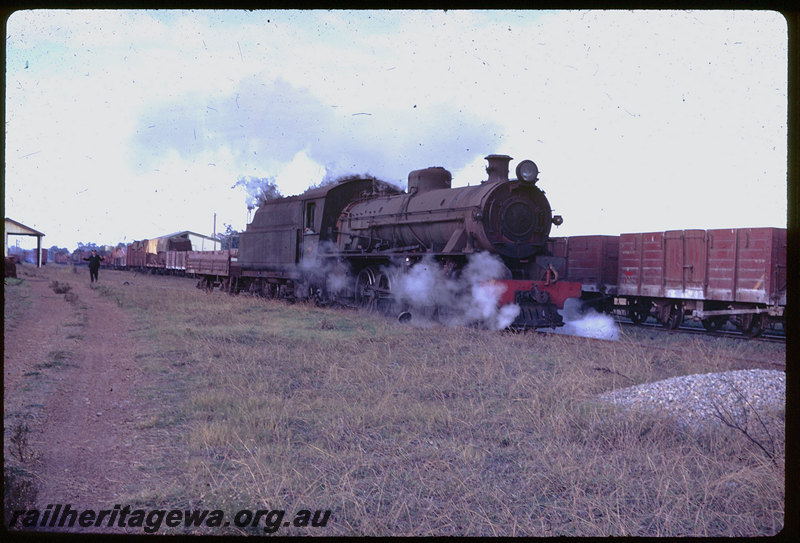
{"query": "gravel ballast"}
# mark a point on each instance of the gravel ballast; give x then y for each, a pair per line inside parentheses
(703, 400)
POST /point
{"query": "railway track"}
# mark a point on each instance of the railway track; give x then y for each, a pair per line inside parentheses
(741, 362)
(768, 336)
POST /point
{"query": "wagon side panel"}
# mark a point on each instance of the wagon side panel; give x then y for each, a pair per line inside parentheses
(208, 263)
(778, 275)
(593, 261)
(759, 260)
(652, 265)
(611, 264)
(721, 267)
(176, 260)
(630, 264)
(685, 264)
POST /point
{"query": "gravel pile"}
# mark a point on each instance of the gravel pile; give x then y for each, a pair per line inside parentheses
(699, 399)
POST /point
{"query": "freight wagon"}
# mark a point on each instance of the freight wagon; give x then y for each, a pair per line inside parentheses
(714, 276)
(215, 268)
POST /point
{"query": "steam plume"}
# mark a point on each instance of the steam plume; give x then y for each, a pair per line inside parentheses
(471, 298)
(590, 324)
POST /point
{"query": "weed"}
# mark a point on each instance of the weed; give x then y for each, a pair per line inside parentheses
(742, 417)
(326, 324)
(57, 359)
(60, 288)
(19, 442)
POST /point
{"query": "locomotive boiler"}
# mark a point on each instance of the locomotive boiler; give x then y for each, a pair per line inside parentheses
(511, 219)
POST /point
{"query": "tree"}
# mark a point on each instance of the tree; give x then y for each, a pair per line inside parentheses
(88, 246)
(228, 239)
(56, 250)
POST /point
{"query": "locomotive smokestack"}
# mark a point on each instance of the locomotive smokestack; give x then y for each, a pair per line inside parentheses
(497, 168)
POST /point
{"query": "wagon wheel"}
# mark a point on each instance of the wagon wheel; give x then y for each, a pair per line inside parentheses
(671, 315)
(713, 324)
(270, 290)
(752, 325)
(364, 293)
(638, 312)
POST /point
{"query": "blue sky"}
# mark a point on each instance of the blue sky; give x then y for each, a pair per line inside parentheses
(125, 125)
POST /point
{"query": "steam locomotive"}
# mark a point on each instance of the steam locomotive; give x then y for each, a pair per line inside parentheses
(356, 242)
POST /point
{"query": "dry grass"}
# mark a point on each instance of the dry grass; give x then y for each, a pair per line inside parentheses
(405, 431)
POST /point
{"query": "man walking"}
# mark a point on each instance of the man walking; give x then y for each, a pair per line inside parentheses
(94, 265)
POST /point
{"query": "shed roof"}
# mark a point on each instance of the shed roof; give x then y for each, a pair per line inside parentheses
(184, 233)
(15, 227)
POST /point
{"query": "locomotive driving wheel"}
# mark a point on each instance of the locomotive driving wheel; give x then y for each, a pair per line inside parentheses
(383, 291)
(365, 292)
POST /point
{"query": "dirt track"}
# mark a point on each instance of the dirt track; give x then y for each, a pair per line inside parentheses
(70, 375)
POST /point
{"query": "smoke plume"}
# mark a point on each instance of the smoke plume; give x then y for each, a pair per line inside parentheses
(258, 189)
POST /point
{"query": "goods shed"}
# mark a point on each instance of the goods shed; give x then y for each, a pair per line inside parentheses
(14, 228)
